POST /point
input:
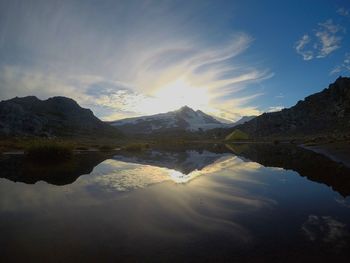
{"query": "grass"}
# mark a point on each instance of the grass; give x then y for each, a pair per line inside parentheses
(54, 151)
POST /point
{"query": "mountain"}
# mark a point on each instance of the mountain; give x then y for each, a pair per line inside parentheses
(184, 119)
(242, 120)
(57, 116)
(323, 113)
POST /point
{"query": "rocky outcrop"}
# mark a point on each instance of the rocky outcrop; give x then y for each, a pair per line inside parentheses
(322, 113)
(57, 116)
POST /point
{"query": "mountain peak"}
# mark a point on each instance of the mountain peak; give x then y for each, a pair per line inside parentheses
(183, 119)
(185, 108)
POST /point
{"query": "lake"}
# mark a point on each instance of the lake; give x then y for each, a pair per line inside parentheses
(242, 203)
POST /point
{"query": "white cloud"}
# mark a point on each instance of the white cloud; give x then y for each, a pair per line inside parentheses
(343, 67)
(275, 108)
(300, 45)
(326, 39)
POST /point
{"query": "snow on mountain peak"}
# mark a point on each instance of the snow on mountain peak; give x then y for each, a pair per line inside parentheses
(184, 118)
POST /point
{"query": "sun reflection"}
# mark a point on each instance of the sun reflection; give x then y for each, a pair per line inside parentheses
(181, 178)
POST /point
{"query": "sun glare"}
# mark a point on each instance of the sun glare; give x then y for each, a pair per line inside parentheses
(179, 93)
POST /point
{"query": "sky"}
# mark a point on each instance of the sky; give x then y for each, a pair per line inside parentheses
(140, 57)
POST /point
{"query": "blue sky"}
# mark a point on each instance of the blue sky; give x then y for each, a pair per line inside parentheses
(131, 58)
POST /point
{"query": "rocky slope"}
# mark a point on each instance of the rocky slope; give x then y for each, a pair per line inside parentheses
(57, 116)
(326, 112)
(184, 119)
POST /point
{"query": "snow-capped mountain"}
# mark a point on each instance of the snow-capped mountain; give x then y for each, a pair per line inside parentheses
(183, 119)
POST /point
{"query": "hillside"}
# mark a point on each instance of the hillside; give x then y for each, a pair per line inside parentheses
(326, 112)
(57, 116)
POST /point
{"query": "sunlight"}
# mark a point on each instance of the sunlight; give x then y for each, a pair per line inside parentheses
(173, 96)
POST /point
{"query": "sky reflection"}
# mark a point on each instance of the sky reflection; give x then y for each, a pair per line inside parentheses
(227, 205)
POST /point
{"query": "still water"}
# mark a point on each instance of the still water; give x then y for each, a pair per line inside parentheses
(243, 203)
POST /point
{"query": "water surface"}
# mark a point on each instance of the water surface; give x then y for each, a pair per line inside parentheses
(243, 203)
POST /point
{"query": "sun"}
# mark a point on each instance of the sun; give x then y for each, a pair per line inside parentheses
(179, 93)
(173, 95)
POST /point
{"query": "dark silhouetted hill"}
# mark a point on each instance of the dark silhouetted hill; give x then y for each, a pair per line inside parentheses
(326, 112)
(57, 116)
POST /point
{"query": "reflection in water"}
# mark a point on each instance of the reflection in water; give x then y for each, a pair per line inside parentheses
(20, 169)
(325, 229)
(177, 205)
(314, 166)
(185, 161)
(123, 172)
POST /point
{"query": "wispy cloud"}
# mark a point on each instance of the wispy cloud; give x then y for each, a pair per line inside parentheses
(324, 41)
(165, 79)
(132, 58)
(329, 40)
(275, 108)
(327, 230)
(343, 67)
(300, 47)
(343, 12)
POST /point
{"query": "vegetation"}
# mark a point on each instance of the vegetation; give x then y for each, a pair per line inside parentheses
(76, 143)
(49, 151)
(237, 135)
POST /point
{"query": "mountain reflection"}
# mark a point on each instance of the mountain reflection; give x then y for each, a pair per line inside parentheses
(20, 169)
(126, 171)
